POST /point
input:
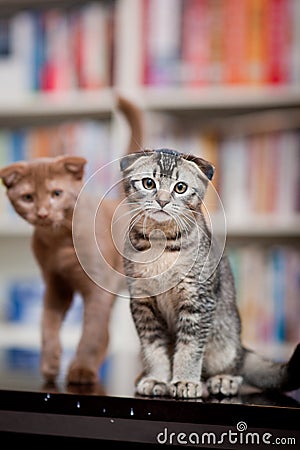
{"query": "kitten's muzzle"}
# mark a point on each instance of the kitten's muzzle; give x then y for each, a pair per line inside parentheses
(163, 198)
(42, 215)
(162, 203)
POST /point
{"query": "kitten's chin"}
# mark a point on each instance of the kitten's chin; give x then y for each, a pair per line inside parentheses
(160, 216)
(46, 223)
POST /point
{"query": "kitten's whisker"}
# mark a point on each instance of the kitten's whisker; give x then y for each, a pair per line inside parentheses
(179, 224)
(134, 220)
(183, 222)
(126, 213)
(144, 224)
(198, 224)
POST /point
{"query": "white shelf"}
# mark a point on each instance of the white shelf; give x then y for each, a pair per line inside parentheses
(219, 97)
(264, 226)
(14, 228)
(69, 104)
(28, 336)
(102, 102)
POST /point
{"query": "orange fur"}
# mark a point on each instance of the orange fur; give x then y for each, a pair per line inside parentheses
(44, 193)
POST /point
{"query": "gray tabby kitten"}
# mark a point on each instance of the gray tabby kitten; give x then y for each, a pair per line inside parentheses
(182, 293)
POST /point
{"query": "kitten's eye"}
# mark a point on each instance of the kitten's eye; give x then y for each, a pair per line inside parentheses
(28, 198)
(148, 183)
(180, 187)
(57, 193)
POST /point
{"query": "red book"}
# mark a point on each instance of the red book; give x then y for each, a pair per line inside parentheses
(146, 79)
(195, 42)
(235, 35)
(216, 40)
(278, 38)
(94, 71)
(58, 69)
(256, 40)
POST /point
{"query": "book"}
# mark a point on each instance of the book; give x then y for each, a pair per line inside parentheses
(295, 43)
(195, 52)
(267, 286)
(278, 41)
(235, 44)
(163, 42)
(24, 300)
(58, 71)
(256, 42)
(93, 45)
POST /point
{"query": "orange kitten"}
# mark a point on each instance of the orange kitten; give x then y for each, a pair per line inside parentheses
(44, 193)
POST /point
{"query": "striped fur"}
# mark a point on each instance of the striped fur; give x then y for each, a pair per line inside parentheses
(184, 304)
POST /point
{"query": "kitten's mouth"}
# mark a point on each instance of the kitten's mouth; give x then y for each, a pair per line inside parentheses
(160, 216)
(43, 223)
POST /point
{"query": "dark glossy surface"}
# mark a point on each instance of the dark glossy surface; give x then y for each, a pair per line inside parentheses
(110, 411)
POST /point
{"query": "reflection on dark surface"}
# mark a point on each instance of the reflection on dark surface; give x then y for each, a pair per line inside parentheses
(260, 398)
(82, 389)
(19, 371)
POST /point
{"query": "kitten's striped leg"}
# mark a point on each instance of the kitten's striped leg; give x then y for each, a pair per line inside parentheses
(194, 324)
(154, 349)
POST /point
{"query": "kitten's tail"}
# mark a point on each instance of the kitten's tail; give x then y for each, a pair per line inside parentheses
(269, 375)
(134, 116)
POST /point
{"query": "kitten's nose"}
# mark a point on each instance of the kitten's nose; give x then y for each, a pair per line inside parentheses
(42, 213)
(162, 203)
(163, 198)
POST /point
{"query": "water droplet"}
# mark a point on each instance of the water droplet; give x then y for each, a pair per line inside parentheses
(104, 410)
(149, 413)
(78, 405)
(47, 397)
(112, 421)
(131, 412)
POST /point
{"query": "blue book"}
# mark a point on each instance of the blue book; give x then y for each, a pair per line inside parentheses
(278, 268)
(25, 298)
(39, 50)
(17, 145)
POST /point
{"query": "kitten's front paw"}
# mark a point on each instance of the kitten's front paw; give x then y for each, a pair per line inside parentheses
(185, 389)
(224, 384)
(50, 367)
(151, 387)
(79, 374)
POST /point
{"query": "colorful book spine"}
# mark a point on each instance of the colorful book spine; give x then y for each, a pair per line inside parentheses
(235, 44)
(267, 286)
(195, 43)
(221, 42)
(295, 45)
(279, 44)
(24, 300)
(163, 42)
(256, 42)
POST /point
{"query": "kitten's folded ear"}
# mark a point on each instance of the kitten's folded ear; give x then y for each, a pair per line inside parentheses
(74, 165)
(128, 160)
(206, 167)
(13, 173)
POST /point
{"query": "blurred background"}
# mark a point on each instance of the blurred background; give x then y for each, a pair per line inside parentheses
(216, 78)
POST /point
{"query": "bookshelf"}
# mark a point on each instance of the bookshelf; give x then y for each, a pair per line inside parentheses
(218, 98)
(225, 109)
(37, 107)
